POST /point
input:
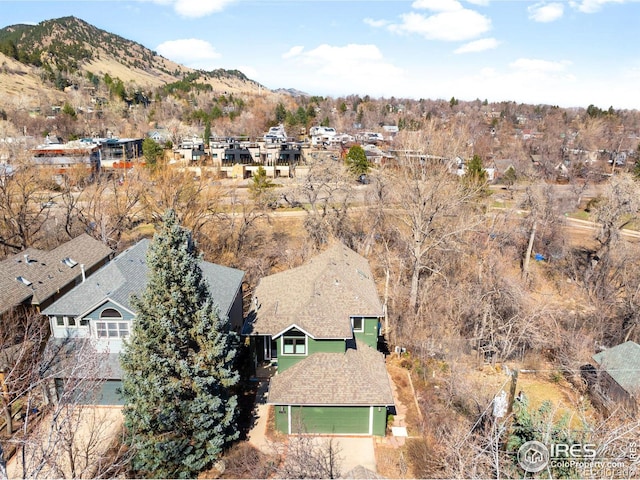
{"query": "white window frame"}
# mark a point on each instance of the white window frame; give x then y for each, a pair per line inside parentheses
(361, 329)
(111, 330)
(298, 340)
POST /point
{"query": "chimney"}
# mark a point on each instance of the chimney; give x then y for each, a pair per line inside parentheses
(83, 274)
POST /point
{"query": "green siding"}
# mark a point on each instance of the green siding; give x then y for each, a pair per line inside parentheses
(331, 346)
(380, 421)
(370, 333)
(95, 314)
(313, 346)
(282, 418)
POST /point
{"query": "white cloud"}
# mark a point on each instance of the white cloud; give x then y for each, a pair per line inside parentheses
(293, 52)
(437, 5)
(482, 3)
(338, 69)
(191, 52)
(375, 23)
(592, 6)
(458, 25)
(533, 65)
(546, 12)
(478, 46)
(248, 70)
(196, 8)
(344, 55)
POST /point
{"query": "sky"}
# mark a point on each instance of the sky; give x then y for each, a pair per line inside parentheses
(570, 53)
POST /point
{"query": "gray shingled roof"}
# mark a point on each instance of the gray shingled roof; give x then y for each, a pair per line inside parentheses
(355, 377)
(64, 353)
(319, 297)
(46, 270)
(126, 275)
(622, 363)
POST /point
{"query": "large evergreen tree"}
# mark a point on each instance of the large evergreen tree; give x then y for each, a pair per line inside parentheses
(178, 365)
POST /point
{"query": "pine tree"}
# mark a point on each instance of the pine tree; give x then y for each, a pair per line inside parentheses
(475, 178)
(261, 188)
(178, 365)
(357, 162)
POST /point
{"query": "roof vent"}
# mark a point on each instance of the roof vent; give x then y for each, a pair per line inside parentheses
(23, 280)
(69, 262)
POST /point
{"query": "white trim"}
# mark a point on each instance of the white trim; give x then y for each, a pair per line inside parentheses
(118, 322)
(102, 302)
(359, 330)
(306, 347)
(371, 414)
(371, 420)
(293, 325)
(266, 347)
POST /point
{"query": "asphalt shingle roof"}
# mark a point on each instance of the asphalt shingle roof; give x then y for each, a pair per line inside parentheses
(46, 270)
(126, 275)
(70, 354)
(622, 363)
(319, 297)
(356, 377)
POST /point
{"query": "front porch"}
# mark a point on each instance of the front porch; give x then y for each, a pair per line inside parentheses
(266, 369)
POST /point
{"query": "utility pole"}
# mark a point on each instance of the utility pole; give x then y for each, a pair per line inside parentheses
(512, 391)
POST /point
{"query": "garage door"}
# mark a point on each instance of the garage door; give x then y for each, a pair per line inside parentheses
(333, 420)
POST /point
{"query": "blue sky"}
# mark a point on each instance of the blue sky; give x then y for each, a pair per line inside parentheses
(570, 53)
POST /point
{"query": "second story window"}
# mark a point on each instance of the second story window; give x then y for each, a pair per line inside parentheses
(358, 324)
(112, 329)
(294, 343)
(111, 324)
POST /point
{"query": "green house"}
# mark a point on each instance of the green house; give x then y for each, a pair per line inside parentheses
(319, 326)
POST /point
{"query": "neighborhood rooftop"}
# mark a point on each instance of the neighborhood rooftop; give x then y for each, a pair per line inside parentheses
(126, 275)
(317, 297)
(35, 276)
(622, 363)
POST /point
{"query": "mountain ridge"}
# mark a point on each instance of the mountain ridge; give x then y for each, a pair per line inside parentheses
(57, 53)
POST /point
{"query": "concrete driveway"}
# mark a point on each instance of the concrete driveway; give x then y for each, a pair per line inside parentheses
(355, 451)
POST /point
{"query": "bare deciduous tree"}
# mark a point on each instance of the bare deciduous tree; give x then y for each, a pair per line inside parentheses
(23, 207)
(21, 341)
(74, 438)
(325, 196)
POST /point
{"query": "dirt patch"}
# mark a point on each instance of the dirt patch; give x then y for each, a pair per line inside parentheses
(565, 400)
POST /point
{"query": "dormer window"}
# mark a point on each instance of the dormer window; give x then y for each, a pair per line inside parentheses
(111, 324)
(294, 343)
(69, 262)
